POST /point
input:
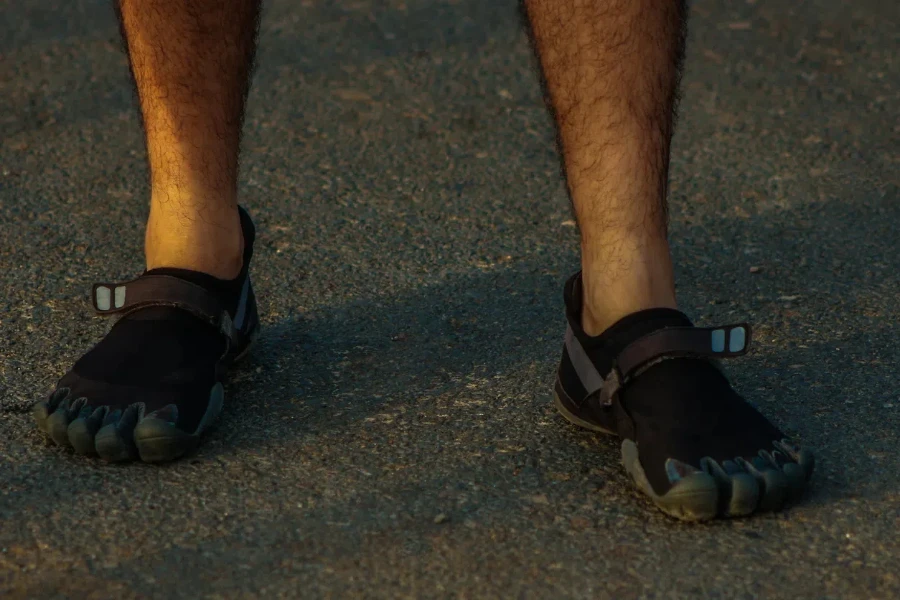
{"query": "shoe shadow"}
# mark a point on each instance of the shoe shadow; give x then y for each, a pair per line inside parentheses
(837, 397)
(325, 369)
(318, 373)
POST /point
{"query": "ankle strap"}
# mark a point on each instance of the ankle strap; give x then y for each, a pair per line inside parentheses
(671, 342)
(162, 290)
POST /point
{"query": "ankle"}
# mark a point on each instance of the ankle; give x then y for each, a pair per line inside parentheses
(597, 317)
(211, 242)
(608, 296)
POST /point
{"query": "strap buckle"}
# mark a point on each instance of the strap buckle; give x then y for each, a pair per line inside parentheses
(612, 383)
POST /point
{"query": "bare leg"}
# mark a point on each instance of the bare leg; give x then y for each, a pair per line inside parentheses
(191, 62)
(611, 69)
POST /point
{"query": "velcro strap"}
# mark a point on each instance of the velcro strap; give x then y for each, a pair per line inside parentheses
(672, 342)
(713, 342)
(162, 290)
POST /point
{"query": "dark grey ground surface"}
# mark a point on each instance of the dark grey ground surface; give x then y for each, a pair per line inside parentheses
(414, 238)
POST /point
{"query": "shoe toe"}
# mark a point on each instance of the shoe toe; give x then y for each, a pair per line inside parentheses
(83, 430)
(57, 426)
(114, 441)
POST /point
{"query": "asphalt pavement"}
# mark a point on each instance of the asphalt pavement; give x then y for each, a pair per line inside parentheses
(392, 435)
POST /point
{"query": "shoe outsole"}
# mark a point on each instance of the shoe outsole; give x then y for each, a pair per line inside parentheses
(702, 496)
(575, 420)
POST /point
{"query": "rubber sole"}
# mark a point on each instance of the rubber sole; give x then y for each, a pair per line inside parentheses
(702, 495)
(574, 419)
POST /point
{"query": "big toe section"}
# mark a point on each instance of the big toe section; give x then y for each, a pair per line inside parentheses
(114, 441)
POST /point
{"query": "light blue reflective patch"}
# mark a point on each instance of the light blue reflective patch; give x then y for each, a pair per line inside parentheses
(103, 298)
(120, 296)
(718, 340)
(737, 339)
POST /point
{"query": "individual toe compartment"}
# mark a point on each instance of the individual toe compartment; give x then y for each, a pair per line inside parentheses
(115, 439)
(694, 495)
(738, 490)
(83, 429)
(801, 456)
(796, 463)
(158, 439)
(773, 483)
(58, 422)
(42, 409)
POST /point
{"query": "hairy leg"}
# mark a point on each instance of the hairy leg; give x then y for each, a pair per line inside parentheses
(611, 70)
(191, 62)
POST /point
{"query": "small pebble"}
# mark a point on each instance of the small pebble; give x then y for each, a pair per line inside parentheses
(755, 269)
(441, 518)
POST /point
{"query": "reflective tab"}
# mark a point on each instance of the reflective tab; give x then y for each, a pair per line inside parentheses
(718, 340)
(737, 339)
(103, 298)
(120, 296)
